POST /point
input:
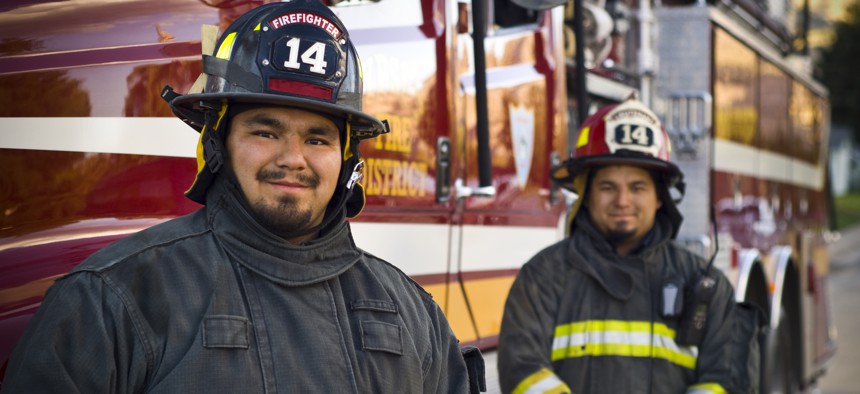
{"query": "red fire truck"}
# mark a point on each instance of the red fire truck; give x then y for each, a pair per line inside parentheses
(458, 193)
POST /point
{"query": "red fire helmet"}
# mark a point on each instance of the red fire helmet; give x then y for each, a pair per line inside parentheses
(626, 133)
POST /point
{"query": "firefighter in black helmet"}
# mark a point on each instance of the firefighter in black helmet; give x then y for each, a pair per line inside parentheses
(263, 288)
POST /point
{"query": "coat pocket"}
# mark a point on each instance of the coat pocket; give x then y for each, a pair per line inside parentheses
(380, 336)
(224, 331)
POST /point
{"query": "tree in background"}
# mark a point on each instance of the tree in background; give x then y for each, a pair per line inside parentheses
(839, 69)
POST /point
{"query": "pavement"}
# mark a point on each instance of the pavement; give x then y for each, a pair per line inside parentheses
(843, 292)
(844, 248)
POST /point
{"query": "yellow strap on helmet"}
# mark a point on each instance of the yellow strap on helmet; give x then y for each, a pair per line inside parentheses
(201, 156)
(347, 152)
(578, 186)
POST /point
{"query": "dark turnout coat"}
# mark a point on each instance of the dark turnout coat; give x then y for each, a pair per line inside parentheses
(213, 303)
(582, 319)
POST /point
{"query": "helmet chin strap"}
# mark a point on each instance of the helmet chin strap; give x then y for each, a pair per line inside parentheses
(357, 174)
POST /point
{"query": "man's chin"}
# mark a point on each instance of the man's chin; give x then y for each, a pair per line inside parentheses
(620, 234)
(285, 218)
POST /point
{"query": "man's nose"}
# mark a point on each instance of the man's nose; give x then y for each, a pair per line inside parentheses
(623, 197)
(291, 154)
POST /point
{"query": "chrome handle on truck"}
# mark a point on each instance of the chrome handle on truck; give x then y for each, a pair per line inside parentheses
(463, 191)
(443, 170)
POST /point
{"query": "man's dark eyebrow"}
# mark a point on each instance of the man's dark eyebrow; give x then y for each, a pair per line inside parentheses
(611, 182)
(264, 120)
(640, 182)
(324, 131)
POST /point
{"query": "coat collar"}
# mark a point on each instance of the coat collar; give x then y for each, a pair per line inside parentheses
(269, 255)
(594, 255)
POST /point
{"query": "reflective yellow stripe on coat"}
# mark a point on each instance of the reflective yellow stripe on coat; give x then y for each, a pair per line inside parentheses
(542, 382)
(621, 338)
(706, 388)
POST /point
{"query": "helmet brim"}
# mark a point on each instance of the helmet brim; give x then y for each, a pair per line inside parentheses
(644, 162)
(567, 171)
(361, 124)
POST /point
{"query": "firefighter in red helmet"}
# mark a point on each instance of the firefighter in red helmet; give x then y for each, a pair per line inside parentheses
(263, 288)
(603, 311)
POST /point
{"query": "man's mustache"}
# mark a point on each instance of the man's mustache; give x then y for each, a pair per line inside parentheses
(265, 175)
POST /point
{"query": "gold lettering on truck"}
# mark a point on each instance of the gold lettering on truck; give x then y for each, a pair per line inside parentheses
(389, 177)
(397, 178)
(399, 139)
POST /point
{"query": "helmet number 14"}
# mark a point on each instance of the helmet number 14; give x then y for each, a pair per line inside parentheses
(627, 134)
(313, 56)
